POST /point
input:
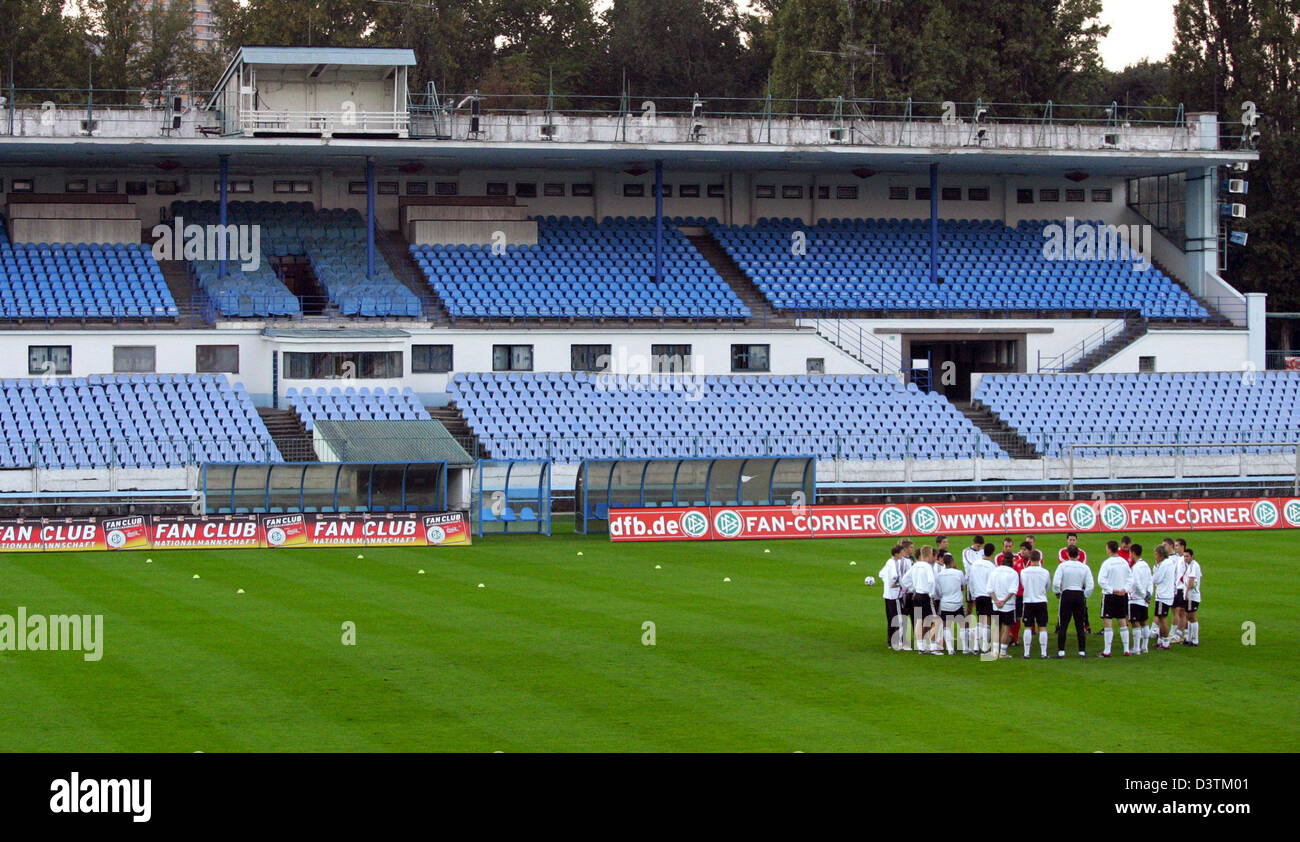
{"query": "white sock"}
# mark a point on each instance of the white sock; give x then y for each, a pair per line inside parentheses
(1146, 638)
(947, 639)
(1004, 649)
(1124, 636)
(1042, 642)
(1025, 639)
(1195, 630)
(1107, 636)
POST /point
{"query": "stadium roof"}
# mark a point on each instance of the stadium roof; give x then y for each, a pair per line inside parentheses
(341, 153)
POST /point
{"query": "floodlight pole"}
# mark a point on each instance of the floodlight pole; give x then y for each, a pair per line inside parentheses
(659, 221)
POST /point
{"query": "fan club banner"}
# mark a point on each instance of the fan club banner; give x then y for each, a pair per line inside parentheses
(727, 523)
(157, 532)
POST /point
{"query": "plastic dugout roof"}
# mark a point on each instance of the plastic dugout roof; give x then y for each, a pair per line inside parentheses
(744, 481)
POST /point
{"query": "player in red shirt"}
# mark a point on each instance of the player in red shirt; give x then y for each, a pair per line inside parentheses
(1125, 549)
(1019, 562)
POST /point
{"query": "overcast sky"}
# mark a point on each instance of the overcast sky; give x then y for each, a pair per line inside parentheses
(1138, 29)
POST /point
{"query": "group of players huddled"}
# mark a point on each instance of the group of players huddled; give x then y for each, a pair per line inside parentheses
(995, 600)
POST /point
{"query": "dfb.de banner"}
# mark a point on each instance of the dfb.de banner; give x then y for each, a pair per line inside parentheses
(726, 523)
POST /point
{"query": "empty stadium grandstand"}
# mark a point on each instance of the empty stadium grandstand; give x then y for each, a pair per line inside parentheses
(332, 240)
(356, 404)
(580, 270)
(144, 421)
(571, 417)
(983, 265)
(1227, 412)
(47, 281)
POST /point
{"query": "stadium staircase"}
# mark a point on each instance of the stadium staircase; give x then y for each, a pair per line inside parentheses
(395, 249)
(760, 308)
(453, 419)
(995, 428)
(1135, 328)
(1216, 319)
(289, 434)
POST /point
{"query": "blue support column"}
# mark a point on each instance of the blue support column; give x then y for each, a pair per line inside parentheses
(222, 202)
(934, 223)
(370, 218)
(659, 222)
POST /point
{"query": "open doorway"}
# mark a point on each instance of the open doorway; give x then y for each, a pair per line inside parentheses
(953, 361)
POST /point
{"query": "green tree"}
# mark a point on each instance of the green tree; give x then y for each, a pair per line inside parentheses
(1229, 53)
(43, 48)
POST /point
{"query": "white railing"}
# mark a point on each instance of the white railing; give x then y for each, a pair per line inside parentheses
(324, 123)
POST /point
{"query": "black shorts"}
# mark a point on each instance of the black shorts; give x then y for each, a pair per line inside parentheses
(959, 614)
(984, 606)
(1020, 606)
(1114, 607)
(1180, 600)
(921, 606)
(1162, 608)
(1137, 612)
(1035, 614)
(1193, 606)
(1006, 619)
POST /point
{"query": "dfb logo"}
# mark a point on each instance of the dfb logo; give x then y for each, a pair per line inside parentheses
(728, 524)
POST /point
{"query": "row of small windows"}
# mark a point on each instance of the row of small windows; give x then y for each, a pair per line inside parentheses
(50, 360)
(45, 360)
(162, 187)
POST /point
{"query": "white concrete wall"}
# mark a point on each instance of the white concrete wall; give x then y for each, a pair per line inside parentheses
(1183, 350)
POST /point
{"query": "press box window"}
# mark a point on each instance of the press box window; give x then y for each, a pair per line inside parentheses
(688, 191)
(49, 359)
(589, 357)
(512, 357)
(1074, 195)
(791, 191)
(342, 365)
(446, 188)
(923, 194)
(717, 191)
(553, 189)
(289, 186)
(846, 191)
(978, 194)
(583, 190)
(950, 194)
(765, 191)
(751, 358)
(1101, 195)
(417, 188)
(234, 185)
(1025, 196)
(526, 190)
(1049, 195)
(216, 359)
(135, 359)
(898, 193)
(668, 190)
(430, 359)
(498, 188)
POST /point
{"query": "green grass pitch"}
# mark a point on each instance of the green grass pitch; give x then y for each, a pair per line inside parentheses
(548, 656)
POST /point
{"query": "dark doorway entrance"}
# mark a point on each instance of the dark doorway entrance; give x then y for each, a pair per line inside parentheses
(952, 362)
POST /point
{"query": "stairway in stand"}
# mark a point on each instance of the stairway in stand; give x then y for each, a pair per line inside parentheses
(289, 434)
(995, 428)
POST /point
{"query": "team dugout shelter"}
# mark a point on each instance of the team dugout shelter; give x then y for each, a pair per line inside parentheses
(604, 484)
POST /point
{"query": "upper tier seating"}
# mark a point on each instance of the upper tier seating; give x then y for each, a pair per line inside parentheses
(580, 269)
(883, 264)
(570, 417)
(81, 281)
(353, 404)
(1216, 408)
(131, 421)
(334, 241)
